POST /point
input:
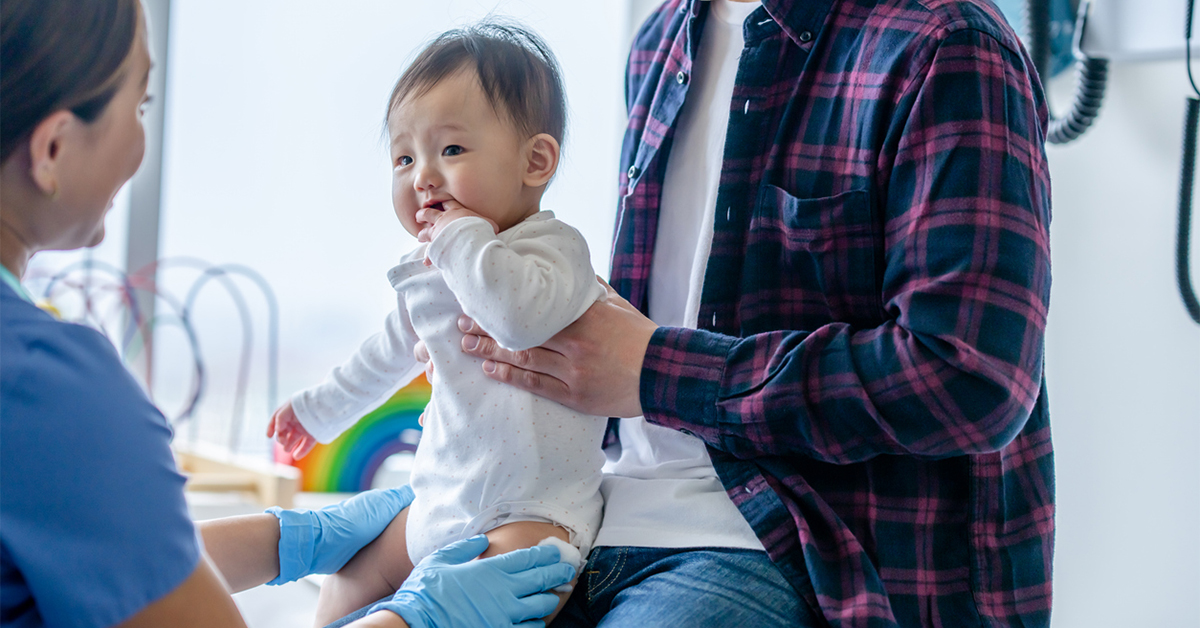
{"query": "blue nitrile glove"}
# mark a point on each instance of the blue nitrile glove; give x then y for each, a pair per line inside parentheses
(321, 541)
(449, 589)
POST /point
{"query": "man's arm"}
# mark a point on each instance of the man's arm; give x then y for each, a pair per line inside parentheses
(966, 284)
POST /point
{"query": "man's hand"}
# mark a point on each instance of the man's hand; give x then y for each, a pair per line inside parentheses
(436, 220)
(594, 366)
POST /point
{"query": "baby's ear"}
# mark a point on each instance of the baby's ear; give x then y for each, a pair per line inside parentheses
(542, 160)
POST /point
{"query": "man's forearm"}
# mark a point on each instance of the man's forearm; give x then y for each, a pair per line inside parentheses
(244, 549)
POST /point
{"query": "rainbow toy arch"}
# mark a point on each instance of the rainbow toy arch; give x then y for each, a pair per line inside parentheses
(349, 463)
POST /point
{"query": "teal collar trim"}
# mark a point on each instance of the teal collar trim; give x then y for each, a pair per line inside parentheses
(14, 283)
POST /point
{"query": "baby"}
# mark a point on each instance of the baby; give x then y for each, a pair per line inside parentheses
(475, 125)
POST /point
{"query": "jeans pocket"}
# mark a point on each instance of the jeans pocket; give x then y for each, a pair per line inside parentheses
(604, 570)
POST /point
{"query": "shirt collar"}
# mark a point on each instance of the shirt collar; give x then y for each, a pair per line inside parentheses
(15, 284)
(801, 20)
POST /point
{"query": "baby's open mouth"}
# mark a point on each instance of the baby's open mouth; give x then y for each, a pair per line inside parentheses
(437, 206)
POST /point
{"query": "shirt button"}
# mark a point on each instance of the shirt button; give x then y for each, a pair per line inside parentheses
(681, 78)
(633, 172)
(502, 508)
(806, 36)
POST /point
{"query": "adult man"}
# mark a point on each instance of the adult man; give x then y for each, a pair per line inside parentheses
(853, 295)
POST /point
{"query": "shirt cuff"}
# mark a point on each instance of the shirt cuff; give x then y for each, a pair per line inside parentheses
(320, 430)
(681, 380)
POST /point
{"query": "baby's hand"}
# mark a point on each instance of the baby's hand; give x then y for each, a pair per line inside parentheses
(292, 436)
(436, 220)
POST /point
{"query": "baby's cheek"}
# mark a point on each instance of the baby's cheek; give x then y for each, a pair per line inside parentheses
(406, 212)
(488, 208)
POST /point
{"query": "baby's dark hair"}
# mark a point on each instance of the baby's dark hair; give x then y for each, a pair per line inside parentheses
(516, 69)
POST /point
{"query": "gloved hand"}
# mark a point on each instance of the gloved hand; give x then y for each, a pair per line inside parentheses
(448, 589)
(321, 541)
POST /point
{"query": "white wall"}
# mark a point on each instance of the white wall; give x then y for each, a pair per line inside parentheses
(1123, 365)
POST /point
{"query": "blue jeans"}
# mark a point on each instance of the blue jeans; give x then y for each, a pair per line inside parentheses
(649, 587)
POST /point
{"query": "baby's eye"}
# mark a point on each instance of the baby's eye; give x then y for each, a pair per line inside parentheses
(404, 160)
(452, 150)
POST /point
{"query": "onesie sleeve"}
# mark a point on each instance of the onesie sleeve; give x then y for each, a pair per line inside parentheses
(382, 364)
(523, 286)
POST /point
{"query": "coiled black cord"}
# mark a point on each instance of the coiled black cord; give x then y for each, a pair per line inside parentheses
(1091, 73)
(1091, 81)
(1183, 238)
(1183, 267)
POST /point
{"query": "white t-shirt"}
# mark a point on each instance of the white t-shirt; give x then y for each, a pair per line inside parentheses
(660, 488)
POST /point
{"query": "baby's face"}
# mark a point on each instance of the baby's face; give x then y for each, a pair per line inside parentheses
(448, 144)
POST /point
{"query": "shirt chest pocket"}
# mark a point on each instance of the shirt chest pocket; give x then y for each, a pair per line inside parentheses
(824, 251)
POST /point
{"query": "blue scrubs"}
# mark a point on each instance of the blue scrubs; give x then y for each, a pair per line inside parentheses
(93, 523)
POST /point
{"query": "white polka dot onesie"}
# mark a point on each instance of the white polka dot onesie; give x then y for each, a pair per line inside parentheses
(489, 453)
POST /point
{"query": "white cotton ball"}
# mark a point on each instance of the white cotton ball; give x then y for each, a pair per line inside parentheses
(568, 554)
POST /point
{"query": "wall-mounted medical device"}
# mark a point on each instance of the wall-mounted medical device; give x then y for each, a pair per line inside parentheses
(1136, 30)
(1052, 31)
(1152, 30)
(1118, 31)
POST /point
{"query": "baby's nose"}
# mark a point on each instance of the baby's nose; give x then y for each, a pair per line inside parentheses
(426, 179)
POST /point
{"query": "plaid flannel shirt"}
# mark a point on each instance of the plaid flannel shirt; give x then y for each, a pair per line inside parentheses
(868, 369)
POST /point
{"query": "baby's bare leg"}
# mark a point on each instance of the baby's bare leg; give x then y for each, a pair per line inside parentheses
(376, 571)
(522, 534)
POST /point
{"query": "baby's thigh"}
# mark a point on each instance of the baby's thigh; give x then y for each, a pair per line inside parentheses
(385, 558)
(522, 534)
(519, 535)
(376, 571)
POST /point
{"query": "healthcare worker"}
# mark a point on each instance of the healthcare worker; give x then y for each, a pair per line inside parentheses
(94, 529)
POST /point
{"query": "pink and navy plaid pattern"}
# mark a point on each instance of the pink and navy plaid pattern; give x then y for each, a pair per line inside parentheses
(868, 369)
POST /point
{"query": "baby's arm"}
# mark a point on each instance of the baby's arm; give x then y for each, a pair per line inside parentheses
(384, 362)
(522, 292)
